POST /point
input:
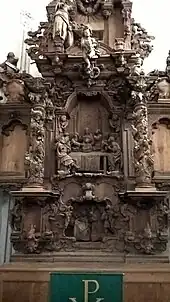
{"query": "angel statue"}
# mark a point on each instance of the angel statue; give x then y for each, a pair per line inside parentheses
(62, 27)
(89, 48)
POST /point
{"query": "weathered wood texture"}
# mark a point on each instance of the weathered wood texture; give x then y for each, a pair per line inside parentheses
(161, 146)
(13, 145)
(25, 283)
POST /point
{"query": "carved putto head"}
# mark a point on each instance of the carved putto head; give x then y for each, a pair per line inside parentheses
(87, 32)
(63, 118)
(37, 114)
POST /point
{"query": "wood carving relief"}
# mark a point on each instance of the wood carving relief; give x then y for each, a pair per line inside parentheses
(82, 135)
(34, 158)
(12, 152)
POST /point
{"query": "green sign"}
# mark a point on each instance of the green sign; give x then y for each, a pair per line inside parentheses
(86, 287)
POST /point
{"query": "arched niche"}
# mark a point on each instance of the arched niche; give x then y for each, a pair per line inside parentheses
(90, 111)
(13, 145)
(161, 146)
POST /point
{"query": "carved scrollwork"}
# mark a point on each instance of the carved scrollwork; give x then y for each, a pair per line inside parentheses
(142, 146)
(34, 158)
(119, 89)
(147, 241)
(60, 91)
(140, 40)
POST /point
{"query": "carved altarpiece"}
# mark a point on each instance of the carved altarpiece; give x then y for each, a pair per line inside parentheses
(85, 182)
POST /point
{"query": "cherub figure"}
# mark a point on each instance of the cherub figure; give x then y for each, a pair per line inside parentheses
(89, 48)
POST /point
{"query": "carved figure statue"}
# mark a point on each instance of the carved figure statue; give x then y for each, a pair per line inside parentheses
(63, 149)
(137, 68)
(75, 144)
(50, 211)
(89, 48)
(98, 140)
(114, 122)
(81, 227)
(63, 123)
(16, 216)
(88, 141)
(114, 158)
(10, 65)
(32, 240)
(106, 219)
(62, 27)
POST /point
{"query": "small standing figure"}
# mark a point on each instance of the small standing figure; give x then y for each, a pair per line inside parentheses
(89, 48)
(62, 27)
(63, 123)
(98, 140)
(106, 219)
(32, 240)
(137, 67)
(87, 141)
(114, 122)
(114, 158)
(81, 227)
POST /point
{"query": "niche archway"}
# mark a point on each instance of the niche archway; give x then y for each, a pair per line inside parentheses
(88, 111)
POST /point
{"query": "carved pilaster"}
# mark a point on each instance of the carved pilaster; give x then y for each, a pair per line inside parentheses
(142, 146)
(143, 159)
(34, 158)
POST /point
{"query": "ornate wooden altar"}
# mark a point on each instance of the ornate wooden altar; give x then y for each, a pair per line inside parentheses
(85, 147)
